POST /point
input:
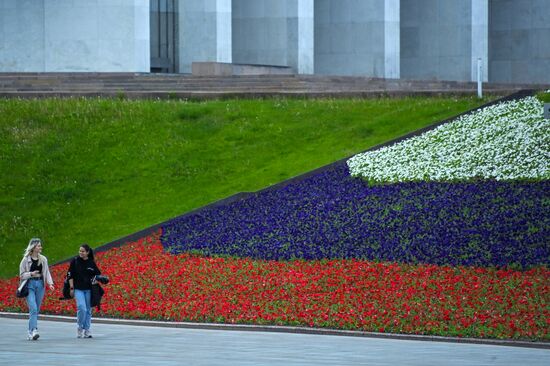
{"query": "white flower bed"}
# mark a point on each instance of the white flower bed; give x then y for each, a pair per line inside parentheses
(506, 141)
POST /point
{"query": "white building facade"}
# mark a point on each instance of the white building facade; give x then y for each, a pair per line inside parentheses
(407, 39)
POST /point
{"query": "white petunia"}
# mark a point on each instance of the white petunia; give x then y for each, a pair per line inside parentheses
(506, 141)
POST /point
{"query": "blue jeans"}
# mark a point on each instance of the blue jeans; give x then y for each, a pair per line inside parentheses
(83, 308)
(34, 300)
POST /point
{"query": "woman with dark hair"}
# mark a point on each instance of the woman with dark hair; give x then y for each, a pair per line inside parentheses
(34, 269)
(81, 272)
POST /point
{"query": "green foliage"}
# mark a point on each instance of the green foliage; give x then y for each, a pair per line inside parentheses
(544, 96)
(94, 170)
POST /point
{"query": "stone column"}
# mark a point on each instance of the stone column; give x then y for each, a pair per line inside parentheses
(392, 43)
(300, 35)
(204, 32)
(480, 37)
(142, 36)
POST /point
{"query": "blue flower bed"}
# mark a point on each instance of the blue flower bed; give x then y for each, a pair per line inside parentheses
(332, 215)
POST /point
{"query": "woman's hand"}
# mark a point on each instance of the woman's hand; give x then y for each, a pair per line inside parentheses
(72, 292)
(52, 287)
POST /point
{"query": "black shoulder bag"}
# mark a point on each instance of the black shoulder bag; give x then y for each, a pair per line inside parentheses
(23, 289)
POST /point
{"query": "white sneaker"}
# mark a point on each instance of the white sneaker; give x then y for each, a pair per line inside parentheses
(35, 334)
(29, 336)
(87, 333)
(80, 333)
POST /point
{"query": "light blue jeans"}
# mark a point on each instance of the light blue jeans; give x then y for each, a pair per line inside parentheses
(34, 300)
(83, 308)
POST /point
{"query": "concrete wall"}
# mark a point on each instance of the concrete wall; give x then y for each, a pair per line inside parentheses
(357, 37)
(204, 32)
(274, 32)
(436, 39)
(22, 35)
(74, 35)
(519, 41)
(260, 32)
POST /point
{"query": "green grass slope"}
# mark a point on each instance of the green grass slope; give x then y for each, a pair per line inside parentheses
(94, 170)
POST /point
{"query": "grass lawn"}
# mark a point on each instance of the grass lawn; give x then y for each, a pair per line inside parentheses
(544, 96)
(94, 170)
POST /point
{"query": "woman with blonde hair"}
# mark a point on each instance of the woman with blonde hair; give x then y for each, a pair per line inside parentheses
(34, 269)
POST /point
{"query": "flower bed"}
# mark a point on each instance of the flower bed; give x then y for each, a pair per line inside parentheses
(331, 215)
(504, 142)
(346, 294)
(334, 251)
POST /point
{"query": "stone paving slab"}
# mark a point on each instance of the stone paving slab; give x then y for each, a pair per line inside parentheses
(117, 344)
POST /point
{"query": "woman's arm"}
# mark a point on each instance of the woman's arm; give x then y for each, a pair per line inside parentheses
(24, 270)
(70, 276)
(71, 284)
(97, 271)
(71, 271)
(46, 274)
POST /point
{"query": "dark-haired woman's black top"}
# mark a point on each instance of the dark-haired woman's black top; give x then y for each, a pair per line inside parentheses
(82, 272)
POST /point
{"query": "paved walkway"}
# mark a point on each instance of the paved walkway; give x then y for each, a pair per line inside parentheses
(115, 344)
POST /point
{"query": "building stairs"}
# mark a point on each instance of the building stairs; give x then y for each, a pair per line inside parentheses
(138, 85)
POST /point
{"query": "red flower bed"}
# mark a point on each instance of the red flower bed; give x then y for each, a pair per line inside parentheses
(148, 283)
